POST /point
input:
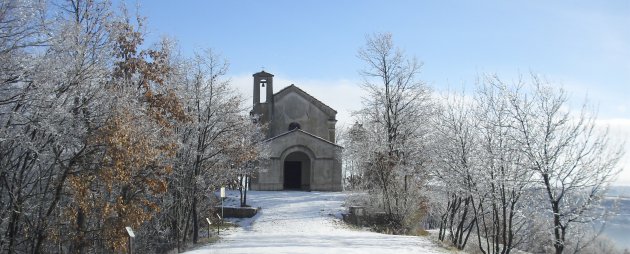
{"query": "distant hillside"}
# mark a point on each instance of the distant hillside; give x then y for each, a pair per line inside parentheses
(619, 191)
(618, 226)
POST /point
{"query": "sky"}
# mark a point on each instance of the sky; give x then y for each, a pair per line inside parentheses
(581, 46)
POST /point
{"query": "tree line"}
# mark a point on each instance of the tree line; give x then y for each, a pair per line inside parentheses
(507, 166)
(99, 131)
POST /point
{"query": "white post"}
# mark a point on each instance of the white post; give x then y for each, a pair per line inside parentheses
(131, 235)
(209, 224)
(222, 197)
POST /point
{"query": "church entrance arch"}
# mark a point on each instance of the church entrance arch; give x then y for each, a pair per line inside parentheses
(297, 171)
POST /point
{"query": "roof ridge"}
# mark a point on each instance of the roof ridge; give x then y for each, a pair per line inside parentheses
(305, 132)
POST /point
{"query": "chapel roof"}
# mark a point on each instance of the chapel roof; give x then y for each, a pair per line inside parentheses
(327, 109)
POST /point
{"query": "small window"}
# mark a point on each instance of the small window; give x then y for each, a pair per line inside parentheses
(294, 125)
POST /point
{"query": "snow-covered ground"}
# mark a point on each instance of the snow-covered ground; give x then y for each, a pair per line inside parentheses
(307, 222)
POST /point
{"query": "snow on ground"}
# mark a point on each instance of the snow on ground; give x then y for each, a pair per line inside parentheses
(307, 222)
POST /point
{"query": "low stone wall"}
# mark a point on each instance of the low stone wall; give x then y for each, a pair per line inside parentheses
(237, 212)
(358, 216)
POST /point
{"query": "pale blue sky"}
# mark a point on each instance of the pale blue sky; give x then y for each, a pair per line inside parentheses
(582, 45)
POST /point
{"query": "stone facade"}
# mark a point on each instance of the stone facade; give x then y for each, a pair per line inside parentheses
(301, 136)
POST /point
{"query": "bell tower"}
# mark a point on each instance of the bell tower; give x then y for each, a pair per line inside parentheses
(263, 81)
(263, 104)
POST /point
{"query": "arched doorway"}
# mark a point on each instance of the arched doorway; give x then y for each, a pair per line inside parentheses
(297, 171)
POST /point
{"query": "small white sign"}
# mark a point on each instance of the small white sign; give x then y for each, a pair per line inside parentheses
(219, 216)
(209, 222)
(222, 192)
(130, 232)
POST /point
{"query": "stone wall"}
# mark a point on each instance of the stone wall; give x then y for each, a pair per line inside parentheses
(237, 212)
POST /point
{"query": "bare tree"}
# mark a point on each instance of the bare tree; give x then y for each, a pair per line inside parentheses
(574, 162)
(502, 181)
(220, 145)
(395, 117)
(511, 148)
(249, 156)
(456, 169)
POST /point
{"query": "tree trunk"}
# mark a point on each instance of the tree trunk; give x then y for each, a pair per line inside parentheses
(195, 224)
(558, 230)
(241, 178)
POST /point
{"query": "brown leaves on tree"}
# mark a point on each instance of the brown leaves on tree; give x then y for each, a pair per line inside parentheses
(125, 190)
(137, 145)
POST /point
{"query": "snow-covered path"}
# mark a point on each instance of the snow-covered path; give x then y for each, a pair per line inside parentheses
(303, 222)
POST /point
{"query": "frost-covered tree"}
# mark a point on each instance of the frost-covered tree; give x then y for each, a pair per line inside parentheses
(99, 131)
(525, 165)
(218, 146)
(249, 156)
(502, 181)
(354, 140)
(456, 170)
(394, 119)
(513, 151)
(573, 161)
(50, 109)
(130, 174)
(214, 108)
